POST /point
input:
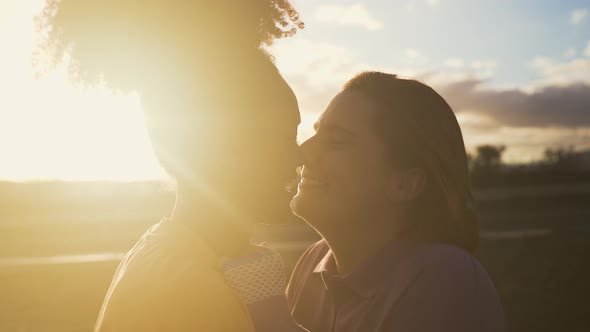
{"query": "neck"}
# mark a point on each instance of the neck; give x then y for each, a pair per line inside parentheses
(227, 234)
(354, 246)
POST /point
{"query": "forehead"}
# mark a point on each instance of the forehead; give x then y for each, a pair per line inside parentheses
(279, 112)
(284, 107)
(276, 125)
(268, 108)
(273, 95)
(276, 99)
(350, 110)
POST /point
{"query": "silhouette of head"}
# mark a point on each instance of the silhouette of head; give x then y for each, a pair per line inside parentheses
(385, 146)
(221, 118)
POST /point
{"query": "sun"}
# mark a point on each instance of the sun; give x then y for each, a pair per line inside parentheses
(51, 129)
(57, 131)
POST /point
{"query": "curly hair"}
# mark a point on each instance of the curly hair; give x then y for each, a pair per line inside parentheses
(124, 39)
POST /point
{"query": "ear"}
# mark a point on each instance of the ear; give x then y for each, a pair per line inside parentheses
(405, 185)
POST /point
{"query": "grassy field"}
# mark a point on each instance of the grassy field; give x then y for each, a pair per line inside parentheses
(543, 282)
(543, 279)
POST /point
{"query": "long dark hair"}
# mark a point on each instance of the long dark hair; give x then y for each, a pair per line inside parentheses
(422, 131)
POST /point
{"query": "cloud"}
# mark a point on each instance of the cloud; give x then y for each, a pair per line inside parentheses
(560, 73)
(578, 16)
(355, 14)
(570, 52)
(318, 64)
(526, 122)
(485, 68)
(315, 70)
(414, 57)
(432, 3)
(483, 64)
(587, 50)
(559, 98)
(455, 63)
(413, 5)
(456, 70)
(552, 106)
(555, 111)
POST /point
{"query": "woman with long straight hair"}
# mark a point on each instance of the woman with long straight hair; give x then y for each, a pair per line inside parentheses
(386, 184)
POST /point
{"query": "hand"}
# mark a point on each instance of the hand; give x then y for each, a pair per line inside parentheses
(258, 276)
(259, 279)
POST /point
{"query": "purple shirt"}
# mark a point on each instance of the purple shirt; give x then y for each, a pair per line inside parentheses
(406, 287)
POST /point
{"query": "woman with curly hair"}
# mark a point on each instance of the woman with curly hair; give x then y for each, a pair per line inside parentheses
(222, 122)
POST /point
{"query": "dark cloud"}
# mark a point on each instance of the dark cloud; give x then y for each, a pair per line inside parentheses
(561, 106)
(552, 106)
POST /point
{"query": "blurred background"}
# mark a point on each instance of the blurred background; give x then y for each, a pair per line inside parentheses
(79, 182)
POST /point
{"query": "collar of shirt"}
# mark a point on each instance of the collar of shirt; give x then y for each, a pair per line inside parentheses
(366, 279)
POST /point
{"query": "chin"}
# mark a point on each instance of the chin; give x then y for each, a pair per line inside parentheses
(276, 210)
(275, 217)
(305, 207)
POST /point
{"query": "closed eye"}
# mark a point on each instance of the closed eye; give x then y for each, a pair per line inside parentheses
(336, 136)
(333, 130)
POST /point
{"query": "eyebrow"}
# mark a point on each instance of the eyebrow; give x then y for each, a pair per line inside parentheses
(333, 127)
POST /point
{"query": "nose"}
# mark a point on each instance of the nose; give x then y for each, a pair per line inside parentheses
(307, 149)
(299, 159)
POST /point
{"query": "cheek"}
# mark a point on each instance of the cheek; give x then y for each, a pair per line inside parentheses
(358, 176)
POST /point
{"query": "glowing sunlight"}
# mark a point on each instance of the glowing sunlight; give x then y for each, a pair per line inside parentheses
(50, 129)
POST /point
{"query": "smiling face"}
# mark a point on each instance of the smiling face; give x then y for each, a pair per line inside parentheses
(388, 156)
(347, 170)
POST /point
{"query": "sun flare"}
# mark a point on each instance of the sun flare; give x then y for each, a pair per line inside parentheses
(50, 129)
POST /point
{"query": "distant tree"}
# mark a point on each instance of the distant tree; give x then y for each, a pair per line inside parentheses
(488, 157)
(559, 156)
(470, 160)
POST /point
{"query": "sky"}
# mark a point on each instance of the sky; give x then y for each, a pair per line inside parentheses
(516, 73)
